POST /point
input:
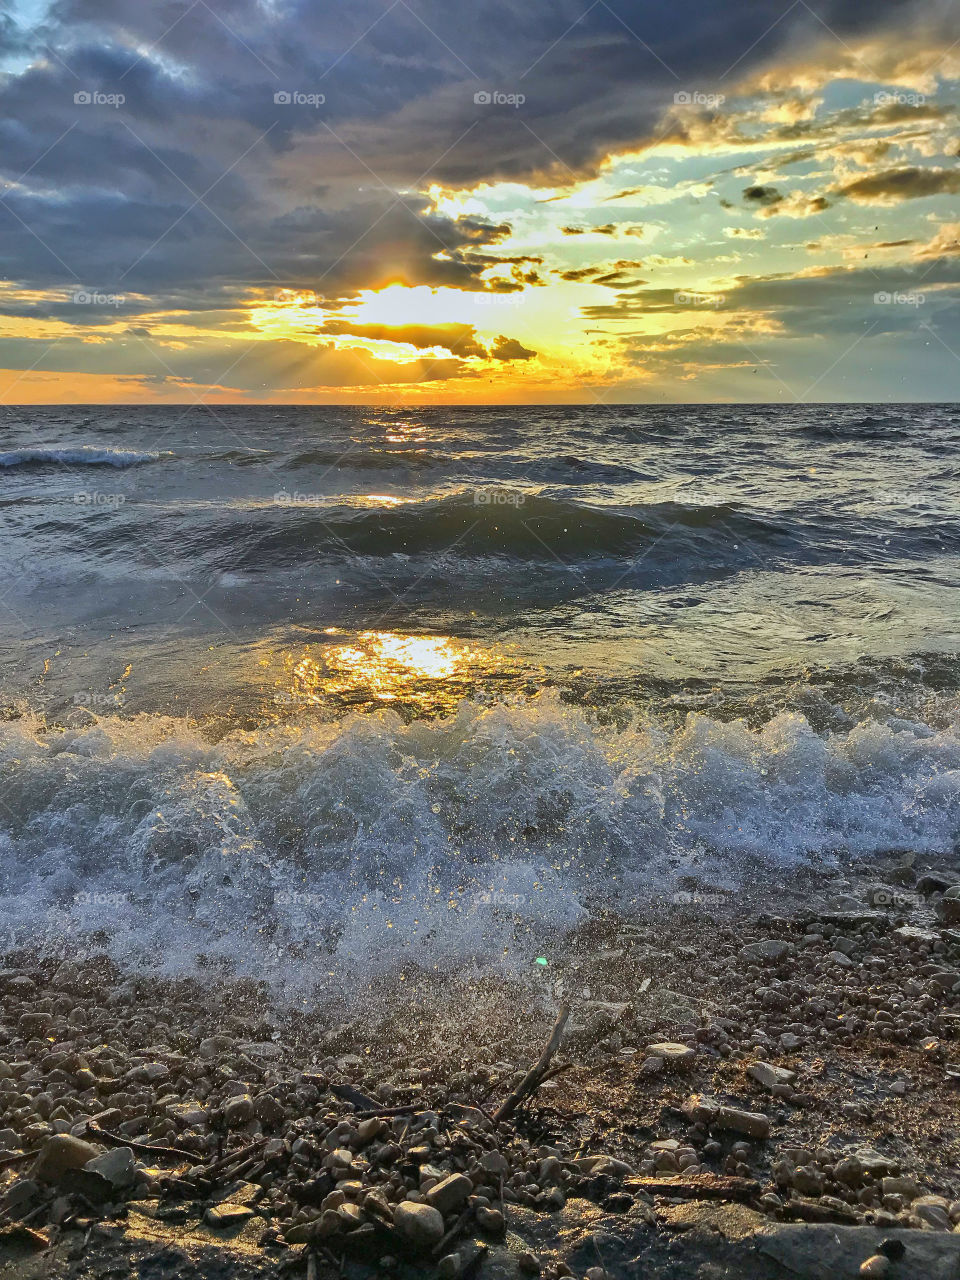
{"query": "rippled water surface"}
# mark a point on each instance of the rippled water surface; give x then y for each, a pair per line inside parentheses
(431, 682)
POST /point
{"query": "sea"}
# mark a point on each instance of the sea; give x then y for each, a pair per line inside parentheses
(352, 689)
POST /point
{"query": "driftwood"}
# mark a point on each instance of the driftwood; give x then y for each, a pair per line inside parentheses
(7, 1161)
(349, 1094)
(409, 1109)
(535, 1076)
(441, 1247)
(140, 1148)
(699, 1186)
(242, 1153)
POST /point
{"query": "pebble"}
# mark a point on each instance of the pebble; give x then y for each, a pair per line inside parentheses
(878, 1265)
(420, 1224)
(491, 1220)
(770, 1076)
(450, 1193)
(753, 1123)
(118, 1166)
(672, 1054)
(227, 1214)
(61, 1153)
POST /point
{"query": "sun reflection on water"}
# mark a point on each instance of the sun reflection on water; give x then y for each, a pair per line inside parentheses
(431, 672)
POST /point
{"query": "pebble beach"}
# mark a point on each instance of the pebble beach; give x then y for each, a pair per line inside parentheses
(731, 1093)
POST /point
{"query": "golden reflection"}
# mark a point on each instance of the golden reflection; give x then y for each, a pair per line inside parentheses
(431, 672)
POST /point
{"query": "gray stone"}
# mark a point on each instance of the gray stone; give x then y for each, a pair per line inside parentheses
(237, 1111)
(752, 1123)
(118, 1166)
(450, 1193)
(420, 1224)
(766, 951)
(769, 1076)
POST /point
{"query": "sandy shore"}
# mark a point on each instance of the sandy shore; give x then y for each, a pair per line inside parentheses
(741, 1093)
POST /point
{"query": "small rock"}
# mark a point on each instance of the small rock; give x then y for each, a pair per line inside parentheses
(60, 1153)
(495, 1162)
(237, 1111)
(267, 1109)
(753, 1123)
(491, 1220)
(450, 1193)
(766, 951)
(118, 1166)
(227, 1215)
(449, 1268)
(878, 1265)
(419, 1224)
(673, 1055)
(770, 1076)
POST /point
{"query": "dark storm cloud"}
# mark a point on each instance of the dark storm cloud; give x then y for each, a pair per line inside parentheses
(206, 183)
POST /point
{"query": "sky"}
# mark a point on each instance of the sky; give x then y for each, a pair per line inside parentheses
(413, 201)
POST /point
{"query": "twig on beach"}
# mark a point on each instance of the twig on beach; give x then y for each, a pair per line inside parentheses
(700, 1186)
(473, 1266)
(441, 1246)
(140, 1148)
(534, 1077)
(409, 1109)
(242, 1153)
(349, 1094)
(7, 1161)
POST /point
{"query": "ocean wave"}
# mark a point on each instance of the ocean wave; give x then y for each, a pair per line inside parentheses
(487, 521)
(379, 841)
(351, 458)
(80, 455)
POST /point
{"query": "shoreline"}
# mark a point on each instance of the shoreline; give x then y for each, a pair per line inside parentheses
(733, 1092)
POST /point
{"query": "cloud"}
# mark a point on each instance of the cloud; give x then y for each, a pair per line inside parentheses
(460, 339)
(510, 349)
(890, 186)
(763, 196)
